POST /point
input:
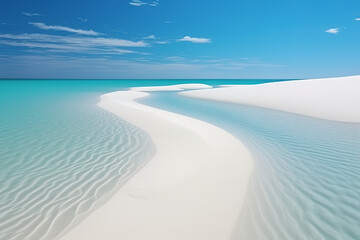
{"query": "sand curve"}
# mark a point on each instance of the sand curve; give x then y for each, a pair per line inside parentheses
(192, 189)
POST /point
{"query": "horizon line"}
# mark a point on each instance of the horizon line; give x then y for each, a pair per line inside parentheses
(152, 78)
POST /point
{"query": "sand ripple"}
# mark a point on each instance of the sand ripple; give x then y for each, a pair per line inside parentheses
(306, 182)
(57, 167)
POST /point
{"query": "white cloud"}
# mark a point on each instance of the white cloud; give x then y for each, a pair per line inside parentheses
(112, 42)
(357, 19)
(195, 40)
(150, 37)
(62, 28)
(89, 67)
(155, 39)
(54, 47)
(41, 45)
(154, 3)
(139, 3)
(333, 30)
(86, 45)
(56, 66)
(31, 14)
(162, 42)
(79, 41)
(82, 19)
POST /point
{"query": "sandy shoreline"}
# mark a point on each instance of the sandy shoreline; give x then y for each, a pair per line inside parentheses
(192, 189)
(336, 99)
(195, 185)
(177, 87)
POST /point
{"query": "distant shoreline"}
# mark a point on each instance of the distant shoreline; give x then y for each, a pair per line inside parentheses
(334, 99)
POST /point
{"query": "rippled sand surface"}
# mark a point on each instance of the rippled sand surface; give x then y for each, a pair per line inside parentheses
(61, 156)
(306, 183)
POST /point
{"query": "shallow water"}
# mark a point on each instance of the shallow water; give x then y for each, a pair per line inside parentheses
(306, 182)
(61, 156)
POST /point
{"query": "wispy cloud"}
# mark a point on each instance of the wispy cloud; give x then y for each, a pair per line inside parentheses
(93, 67)
(357, 19)
(195, 40)
(103, 67)
(41, 45)
(31, 14)
(67, 48)
(333, 30)
(155, 39)
(139, 3)
(176, 59)
(243, 65)
(224, 64)
(154, 3)
(62, 28)
(110, 42)
(161, 42)
(150, 37)
(79, 41)
(86, 45)
(82, 19)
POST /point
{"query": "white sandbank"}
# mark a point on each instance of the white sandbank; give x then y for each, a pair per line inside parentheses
(192, 189)
(178, 87)
(335, 99)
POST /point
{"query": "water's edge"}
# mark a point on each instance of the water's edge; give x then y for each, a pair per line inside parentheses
(304, 185)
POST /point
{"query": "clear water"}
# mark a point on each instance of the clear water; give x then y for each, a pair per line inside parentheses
(61, 156)
(306, 182)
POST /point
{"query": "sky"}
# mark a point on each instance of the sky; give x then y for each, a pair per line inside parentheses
(152, 39)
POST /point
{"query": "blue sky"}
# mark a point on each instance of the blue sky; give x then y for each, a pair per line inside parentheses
(179, 38)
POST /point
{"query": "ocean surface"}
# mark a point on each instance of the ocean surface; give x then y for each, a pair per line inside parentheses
(306, 182)
(61, 156)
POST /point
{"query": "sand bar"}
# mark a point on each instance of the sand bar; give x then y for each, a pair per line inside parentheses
(335, 99)
(192, 189)
(177, 87)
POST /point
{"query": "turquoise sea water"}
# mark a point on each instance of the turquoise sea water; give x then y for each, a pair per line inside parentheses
(61, 156)
(306, 182)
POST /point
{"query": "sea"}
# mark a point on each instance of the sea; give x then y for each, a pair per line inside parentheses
(62, 157)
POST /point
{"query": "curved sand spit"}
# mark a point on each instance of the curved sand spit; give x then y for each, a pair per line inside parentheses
(192, 189)
(195, 185)
(178, 87)
(335, 99)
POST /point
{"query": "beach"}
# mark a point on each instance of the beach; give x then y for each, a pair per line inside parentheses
(334, 99)
(193, 188)
(195, 185)
(176, 120)
(135, 160)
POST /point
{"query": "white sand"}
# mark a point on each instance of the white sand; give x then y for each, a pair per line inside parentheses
(178, 87)
(193, 189)
(335, 99)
